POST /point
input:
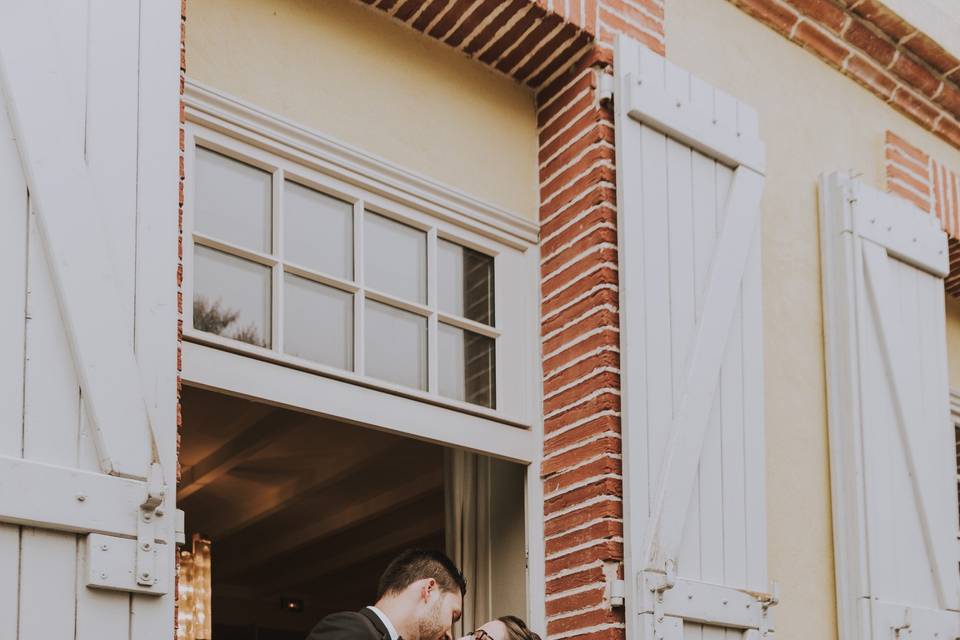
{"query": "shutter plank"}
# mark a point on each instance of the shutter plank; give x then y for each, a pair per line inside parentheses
(893, 351)
(683, 316)
(13, 266)
(47, 585)
(157, 236)
(111, 139)
(51, 428)
(656, 240)
(35, 75)
(707, 210)
(754, 462)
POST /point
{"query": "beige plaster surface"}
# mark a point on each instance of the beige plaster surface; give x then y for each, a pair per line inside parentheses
(813, 120)
(953, 342)
(352, 73)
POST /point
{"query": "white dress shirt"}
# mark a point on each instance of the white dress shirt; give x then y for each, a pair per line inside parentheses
(386, 622)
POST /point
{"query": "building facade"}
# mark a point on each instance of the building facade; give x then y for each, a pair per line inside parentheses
(643, 310)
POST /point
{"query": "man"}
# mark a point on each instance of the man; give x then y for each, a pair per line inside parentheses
(420, 597)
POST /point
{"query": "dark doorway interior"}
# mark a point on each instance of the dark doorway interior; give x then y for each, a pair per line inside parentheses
(302, 512)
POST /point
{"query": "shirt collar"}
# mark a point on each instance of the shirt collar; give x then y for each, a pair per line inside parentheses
(386, 622)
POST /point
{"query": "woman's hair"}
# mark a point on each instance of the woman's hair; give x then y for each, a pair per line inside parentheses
(517, 629)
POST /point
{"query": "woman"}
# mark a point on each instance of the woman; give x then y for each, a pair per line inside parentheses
(504, 628)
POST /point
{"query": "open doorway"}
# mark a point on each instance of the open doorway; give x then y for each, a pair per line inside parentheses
(302, 513)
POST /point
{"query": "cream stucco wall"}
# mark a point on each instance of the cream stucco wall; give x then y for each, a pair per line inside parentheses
(953, 342)
(350, 72)
(813, 120)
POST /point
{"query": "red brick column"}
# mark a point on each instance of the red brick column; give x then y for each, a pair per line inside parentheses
(583, 506)
(182, 134)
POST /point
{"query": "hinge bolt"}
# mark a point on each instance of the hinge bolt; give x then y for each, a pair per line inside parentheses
(81, 497)
(146, 546)
(145, 575)
(159, 513)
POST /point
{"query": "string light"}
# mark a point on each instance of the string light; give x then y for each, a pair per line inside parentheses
(194, 620)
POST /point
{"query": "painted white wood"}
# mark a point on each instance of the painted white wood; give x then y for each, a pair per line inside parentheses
(688, 222)
(703, 369)
(238, 375)
(51, 427)
(659, 95)
(13, 264)
(156, 266)
(92, 91)
(892, 442)
(243, 121)
(35, 74)
(59, 496)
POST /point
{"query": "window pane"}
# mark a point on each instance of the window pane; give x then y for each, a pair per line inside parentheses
(395, 258)
(317, 322)
(317, 231)
(395, 345)
(467, 366)
(233, 201)
(465, 282)
(231, 296)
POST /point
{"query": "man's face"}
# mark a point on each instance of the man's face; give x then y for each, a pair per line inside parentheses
(440, 611)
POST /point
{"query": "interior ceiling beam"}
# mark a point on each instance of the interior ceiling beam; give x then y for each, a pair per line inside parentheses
(235, 557)
(401, 536)
(235, 451)
(236, 517)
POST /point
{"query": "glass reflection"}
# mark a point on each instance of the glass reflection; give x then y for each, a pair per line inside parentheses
(467, 366)
(395, 258)
(317, 322)
(395, 345)
(232, 201)
(231, 297)
(465, 282)
(318, 231)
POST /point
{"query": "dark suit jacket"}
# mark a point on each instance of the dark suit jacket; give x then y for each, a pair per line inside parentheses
(350, 625)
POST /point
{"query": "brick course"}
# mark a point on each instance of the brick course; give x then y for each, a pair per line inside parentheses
(930, 185)
(870, 44)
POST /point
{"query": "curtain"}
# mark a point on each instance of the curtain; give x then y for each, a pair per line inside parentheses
(467, 494)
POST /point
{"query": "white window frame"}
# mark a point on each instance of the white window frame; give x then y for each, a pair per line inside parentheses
(267, 145)
(364, 203)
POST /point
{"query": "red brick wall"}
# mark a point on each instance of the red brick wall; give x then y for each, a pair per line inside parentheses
(183, 70)
(870, 44)
(929, 184)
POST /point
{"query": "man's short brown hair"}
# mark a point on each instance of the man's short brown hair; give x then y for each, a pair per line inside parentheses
(416, 564)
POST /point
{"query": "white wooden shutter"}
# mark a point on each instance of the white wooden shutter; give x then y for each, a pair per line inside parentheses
(689, 179)
(88, 159)
(891, 440)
